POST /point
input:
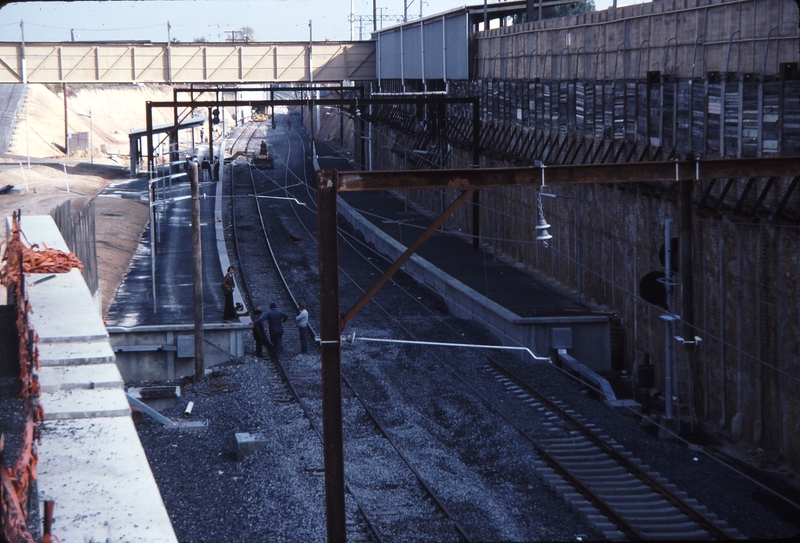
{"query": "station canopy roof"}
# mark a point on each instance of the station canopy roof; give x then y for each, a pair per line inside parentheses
(190, 122)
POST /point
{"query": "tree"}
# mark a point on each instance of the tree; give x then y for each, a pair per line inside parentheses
(563, 10)
(201, 39)
(248, 34)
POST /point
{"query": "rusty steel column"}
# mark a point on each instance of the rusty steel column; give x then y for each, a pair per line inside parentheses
(330, 331)
(687, 277)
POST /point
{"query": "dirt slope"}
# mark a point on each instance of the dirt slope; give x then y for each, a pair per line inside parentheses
(115, 111)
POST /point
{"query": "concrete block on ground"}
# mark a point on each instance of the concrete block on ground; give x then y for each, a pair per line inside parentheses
(247, 443)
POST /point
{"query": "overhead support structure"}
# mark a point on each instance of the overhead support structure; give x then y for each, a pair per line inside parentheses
(352, 102)
(469, 181)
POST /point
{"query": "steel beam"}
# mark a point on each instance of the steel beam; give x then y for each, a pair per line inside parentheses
(466, 179)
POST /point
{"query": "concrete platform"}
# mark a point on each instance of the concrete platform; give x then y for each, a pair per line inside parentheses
(85, 403)
(517, 309)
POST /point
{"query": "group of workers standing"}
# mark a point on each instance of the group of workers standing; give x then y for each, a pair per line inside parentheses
(273, 338)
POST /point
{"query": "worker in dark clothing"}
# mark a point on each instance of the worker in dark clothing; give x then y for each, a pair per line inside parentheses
(275, 319)
(216, 170)
(258, 334)
(206, 166)
(228, 284)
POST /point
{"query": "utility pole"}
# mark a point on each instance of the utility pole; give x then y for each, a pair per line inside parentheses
(66, 120)
(352, 16)
(169, 53)
(197, 275)
(374, 15)
(22, 51)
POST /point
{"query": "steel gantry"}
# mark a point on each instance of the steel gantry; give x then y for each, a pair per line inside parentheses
(469, 181)
(472, 102)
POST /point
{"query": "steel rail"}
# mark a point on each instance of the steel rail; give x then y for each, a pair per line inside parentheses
(598, 501)
(631, 467)
(621, 459)
(235, 236)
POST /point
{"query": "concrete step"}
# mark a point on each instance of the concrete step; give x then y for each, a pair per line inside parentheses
(63, 309)
(85, 403)
(73, 354)
(95, 376)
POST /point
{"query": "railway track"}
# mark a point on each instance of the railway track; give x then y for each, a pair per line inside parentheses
(637, 502)
(616, 494)
(290, 386)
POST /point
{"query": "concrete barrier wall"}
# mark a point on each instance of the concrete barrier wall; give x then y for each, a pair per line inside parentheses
(681, 38)
(90, 461)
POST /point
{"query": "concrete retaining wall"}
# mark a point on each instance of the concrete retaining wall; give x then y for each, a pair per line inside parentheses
(167, 352)
(676, 37)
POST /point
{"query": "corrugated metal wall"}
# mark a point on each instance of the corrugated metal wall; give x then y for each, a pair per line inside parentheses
(446, 47)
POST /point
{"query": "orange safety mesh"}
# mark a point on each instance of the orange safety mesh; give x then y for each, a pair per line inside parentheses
(17, 480)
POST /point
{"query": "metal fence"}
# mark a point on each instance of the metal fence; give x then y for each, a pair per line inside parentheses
(78, 230)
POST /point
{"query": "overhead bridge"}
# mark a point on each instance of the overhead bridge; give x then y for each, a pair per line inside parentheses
(148, 62)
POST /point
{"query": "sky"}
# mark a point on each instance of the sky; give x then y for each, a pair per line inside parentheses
(271, 20)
